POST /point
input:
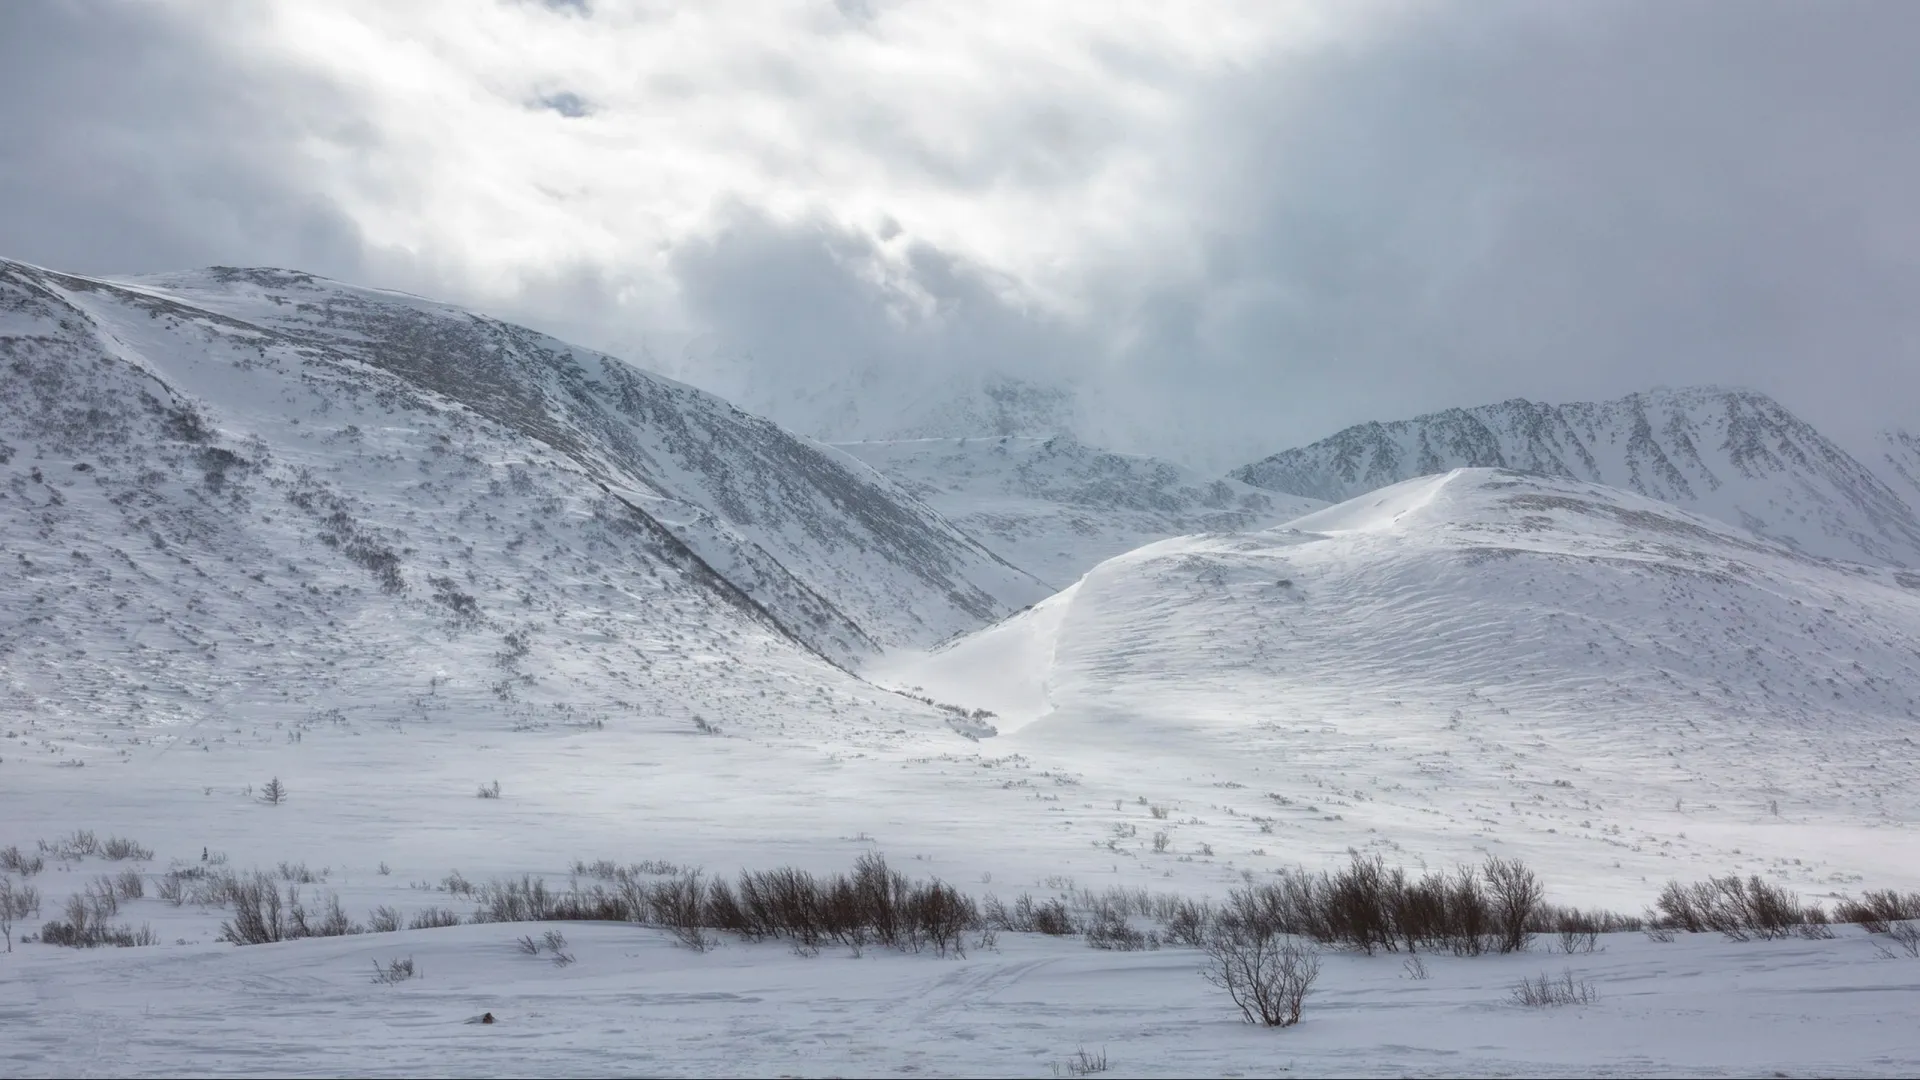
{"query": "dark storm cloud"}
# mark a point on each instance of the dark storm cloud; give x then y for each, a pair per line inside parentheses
(1555, 201)
(127, 145)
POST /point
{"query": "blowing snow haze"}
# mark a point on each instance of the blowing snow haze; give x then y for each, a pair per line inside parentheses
(869, 511)
(1204, 235)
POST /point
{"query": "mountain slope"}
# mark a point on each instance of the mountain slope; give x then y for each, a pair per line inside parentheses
(1576, 671)
(1055, 507)
(255, 491)
(773, 515)
(1734, 455)
(1895, 456)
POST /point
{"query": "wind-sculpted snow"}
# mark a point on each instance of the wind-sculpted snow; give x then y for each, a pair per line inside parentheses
(1486, 654)
(1732, 454)
(1056, 508)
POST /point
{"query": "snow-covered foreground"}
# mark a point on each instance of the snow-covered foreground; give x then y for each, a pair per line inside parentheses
(632, 1003)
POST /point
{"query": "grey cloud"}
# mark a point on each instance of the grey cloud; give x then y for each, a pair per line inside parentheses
(1475, 201)
(127, 145)
(1557, 201)
(806, 303)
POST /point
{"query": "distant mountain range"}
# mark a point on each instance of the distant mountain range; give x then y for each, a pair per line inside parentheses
(1734, 455)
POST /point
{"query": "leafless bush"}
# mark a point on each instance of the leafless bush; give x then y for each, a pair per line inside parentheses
(259, 917)
(507, 900)
(130, 885)
(1875, 911)
(17, 901)
(1516, 893)
(91, 935)
(1415, 968)
(13, 860)
(117, 848)
(457, 885)
(72, 847)
(1738, 908)
(1161, 841)
(1268, 976)
(300, 874)
(1109, 929)
(1028, 916)
(394, 971)
(677, 904)
(1082, 1064)
(1907, 935)
(383, 920)
(490, 791)
(103, 897)
(1546, 990)
(433, 918)
(1186, 924)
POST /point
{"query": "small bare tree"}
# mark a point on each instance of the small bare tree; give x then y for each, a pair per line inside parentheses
(274, 793)
(16, 902)
(1267, 975)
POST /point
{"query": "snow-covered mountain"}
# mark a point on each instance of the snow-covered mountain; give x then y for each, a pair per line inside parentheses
(1578, 671)
(891, 404)
(1895, 456)
(1055, 507)
(1734, 455)
(259, 483)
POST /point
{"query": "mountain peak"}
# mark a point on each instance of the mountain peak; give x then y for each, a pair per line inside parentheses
(1729, 452)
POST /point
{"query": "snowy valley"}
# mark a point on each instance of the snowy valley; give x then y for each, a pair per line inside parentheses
(493, 607)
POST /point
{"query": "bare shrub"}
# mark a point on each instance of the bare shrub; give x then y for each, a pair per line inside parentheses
(1186, 924)
(1415, 968)
(490, 791)
(103, 897)
(259, 916)
(117, 848)
(1028, 916)
(1907, 936)
(1738, 908)
(1546, 991)
(274, 793)
(17, 901)
(1268, 976)
(457, 885)
(1109, 929)
(1875, 911)
(13, 860)
(676, 904)
(130, 885)
(383, 920)
(394, 971)
(433, 918)
(1082, 1064)
(508, 900)
(1516, 894)
(72, 847)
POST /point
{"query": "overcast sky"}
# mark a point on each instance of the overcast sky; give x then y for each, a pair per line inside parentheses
(1242, 226)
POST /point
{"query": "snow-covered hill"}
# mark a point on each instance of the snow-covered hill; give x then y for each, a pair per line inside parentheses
(1734, 455)
(1055, 507)
(254, 492)
(248, 355)
(1483, 658)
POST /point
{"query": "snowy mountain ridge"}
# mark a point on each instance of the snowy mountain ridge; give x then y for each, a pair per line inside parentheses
(1482, 654)
(1056, 507)
(1735, 455)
